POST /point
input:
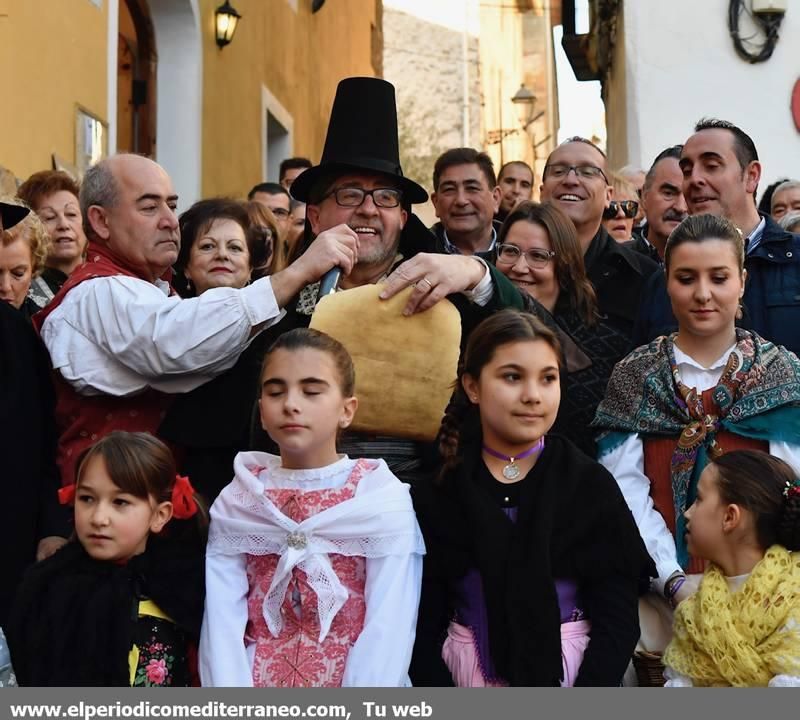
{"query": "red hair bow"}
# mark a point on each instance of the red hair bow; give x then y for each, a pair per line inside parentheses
(183, 502)
(66, 494)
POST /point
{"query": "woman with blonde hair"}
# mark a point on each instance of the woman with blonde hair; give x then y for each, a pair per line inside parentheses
(23, 251)
(620, 215)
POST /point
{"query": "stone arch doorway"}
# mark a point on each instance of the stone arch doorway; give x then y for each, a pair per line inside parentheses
(136, 79)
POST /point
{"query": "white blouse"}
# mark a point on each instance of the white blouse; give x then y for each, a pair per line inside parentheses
(626, 464)
(380, 656)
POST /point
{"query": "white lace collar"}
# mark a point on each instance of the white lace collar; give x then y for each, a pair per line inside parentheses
(271, 474)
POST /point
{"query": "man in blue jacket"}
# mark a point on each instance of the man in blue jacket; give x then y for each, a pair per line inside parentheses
(721, 172)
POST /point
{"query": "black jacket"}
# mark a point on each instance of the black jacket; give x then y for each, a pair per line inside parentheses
(640, 245)
(572, 523)
(619, 276)
(771, 293)
(30, 510)
(74, 619)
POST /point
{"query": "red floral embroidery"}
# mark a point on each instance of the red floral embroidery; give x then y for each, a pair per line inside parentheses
(296, 658)
(156, 671)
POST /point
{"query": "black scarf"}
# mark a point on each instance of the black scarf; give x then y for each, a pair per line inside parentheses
(572, 523)
(74, 617)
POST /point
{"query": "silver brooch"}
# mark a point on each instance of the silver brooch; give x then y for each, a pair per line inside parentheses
(296, 540)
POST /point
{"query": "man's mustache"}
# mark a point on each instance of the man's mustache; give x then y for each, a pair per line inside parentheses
(674, 216)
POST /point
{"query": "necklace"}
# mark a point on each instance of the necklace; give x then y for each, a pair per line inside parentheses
(512, 471)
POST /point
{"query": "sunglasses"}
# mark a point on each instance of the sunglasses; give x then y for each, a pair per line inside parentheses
(628, 207)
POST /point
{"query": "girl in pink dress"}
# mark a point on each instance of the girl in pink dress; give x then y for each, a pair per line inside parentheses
(314, 560)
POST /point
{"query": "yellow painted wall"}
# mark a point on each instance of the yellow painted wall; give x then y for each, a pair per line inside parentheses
(300, 58)
(53, 57)
(502, 73)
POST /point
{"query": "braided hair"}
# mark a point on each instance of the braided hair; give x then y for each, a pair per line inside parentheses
(767, 487)
(461, 423)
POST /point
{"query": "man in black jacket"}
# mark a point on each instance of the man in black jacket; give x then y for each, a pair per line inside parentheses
(721, 172)
(576, 182)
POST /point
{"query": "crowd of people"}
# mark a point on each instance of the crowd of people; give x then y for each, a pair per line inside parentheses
(614, 480)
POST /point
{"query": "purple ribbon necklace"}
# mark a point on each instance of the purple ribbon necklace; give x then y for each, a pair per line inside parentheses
(511, 471)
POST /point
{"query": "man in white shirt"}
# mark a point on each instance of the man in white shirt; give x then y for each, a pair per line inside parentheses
(119, 341)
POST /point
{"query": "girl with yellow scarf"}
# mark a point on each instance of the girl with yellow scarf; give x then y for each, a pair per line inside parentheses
(742, 627)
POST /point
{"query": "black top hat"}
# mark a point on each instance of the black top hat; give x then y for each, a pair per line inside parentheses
(12, 214)
(362, 135)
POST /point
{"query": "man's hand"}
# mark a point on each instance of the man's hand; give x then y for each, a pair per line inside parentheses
(47, 546)
(336, 247)
(434, 277)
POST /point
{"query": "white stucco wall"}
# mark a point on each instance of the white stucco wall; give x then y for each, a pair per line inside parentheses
(680, 65)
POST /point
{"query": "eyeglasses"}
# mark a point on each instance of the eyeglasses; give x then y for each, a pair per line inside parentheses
(353, 196)
(628, 207)
(537, 258)
(585, 172)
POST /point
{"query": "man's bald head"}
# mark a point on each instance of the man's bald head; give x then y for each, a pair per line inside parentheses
(128, 203)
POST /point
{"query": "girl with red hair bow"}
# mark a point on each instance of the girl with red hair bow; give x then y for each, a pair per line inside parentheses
(121, 604)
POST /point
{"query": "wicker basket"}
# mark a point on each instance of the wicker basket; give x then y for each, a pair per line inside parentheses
(649, 669)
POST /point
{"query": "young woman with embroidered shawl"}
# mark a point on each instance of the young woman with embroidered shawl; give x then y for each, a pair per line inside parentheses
(708, 389)
(534, 562)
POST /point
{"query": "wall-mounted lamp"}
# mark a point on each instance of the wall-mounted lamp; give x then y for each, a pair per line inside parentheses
(225, 21)
(524, 100)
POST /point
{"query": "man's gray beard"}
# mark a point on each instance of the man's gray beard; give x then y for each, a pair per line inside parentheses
(378, 254)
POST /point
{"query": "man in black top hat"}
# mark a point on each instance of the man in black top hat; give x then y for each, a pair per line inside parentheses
(358, 189)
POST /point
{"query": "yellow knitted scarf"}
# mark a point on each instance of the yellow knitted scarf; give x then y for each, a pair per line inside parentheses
(741, 639)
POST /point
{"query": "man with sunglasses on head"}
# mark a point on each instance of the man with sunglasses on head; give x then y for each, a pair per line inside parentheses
(576, 181)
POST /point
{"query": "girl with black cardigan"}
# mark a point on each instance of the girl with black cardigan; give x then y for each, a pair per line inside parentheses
(534, 562)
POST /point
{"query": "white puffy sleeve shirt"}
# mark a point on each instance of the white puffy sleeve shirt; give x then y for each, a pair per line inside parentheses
(626, 464)
(121, 335)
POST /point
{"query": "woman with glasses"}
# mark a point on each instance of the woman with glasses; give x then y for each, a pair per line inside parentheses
(619, 216)
(538, 250)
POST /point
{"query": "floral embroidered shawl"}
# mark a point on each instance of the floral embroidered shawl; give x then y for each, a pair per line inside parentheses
(758, 396)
